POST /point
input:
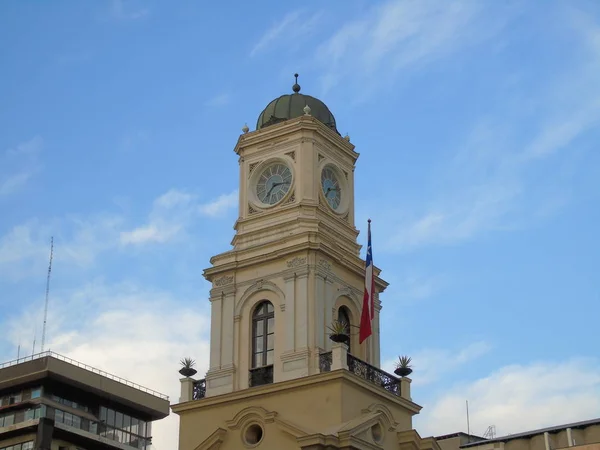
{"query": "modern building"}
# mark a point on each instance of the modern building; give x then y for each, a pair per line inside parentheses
(276, 380)
(50, 402)
(573, 436)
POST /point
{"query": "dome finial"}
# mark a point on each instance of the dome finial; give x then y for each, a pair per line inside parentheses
(296, 86)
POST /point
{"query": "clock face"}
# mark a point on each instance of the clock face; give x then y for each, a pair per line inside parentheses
(332, 189)
(273, 183)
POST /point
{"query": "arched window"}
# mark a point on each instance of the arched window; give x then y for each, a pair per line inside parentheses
(344, 316)
(263, 334)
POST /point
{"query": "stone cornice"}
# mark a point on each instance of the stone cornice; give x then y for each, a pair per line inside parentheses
(353, 264)
(296, 384)
(305, 123)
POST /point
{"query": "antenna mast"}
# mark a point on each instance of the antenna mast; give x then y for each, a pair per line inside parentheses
(47, 292)
(468, 422)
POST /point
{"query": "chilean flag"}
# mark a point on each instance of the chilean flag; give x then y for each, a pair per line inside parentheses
(368, 307)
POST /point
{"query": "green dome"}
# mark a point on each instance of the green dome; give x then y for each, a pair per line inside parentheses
(291, 106)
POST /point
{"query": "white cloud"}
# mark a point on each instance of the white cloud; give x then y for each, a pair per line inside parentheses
(431, 364)
(172, 213)
(139, 334)
(399, 34)
(19, 165)
(294, 27)
(517, 398)
(24, 249)
(221, 205)
(486, 185)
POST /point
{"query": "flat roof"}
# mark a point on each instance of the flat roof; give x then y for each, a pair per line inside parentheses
(526, 434)
(68, 371)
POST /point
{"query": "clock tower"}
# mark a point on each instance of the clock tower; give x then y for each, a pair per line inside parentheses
(275, 378)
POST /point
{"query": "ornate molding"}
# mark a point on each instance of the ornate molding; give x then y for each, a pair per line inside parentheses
(320, 157)
(292, 198)
(325, 265)
(214, 441)
(292, 155)
(224, 280)
(248, 414)
(252, 166)
(251, 210)
(259, 285)
(297, 261)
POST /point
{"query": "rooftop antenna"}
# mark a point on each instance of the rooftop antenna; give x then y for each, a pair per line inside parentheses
(468, 422)
(47, 292)
(34, 335)
(490, 433)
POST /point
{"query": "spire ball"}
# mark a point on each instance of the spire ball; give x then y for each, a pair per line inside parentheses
(296, 86)
(347, 138)
(245, 128)
(306, 110)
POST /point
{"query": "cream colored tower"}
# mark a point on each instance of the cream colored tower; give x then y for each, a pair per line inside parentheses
(293, 269)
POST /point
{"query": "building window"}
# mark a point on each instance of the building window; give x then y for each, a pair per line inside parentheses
(36, 392)
(21, 446)
(263, 335)
(344, 316)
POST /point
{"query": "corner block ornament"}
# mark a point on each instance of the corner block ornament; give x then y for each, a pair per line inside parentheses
(297, 261)
(224, 280)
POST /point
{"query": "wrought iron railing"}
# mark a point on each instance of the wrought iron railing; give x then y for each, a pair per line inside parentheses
(199, 389)
(260, 376)
(374, 375)
(325, 360)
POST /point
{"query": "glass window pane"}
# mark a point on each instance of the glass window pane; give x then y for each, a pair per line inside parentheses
(103, 413)
(270, 341)
(59, 416)
(110, 417)
(126, 422)
(257, 360)
(134, 426)
(259, 327)
(269, 357)
(270, 307)
(259, 344)
(271, 325)
(259, 310)
(119, 420)
(35, 393)
(29, 414)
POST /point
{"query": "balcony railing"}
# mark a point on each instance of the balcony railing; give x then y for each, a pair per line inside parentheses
(260, 376)
(199, 389)
(86, 367)
(325, 360)
(374, 375)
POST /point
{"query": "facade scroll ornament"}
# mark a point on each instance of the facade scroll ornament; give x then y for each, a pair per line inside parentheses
(297, 261)
(252, 166)
(325, 265)
(292, 155)
(224, 280)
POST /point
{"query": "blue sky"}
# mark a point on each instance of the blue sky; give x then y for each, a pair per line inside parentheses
(477, 125)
